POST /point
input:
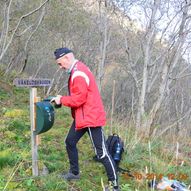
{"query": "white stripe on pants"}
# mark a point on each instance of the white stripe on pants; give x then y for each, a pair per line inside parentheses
(104, 157)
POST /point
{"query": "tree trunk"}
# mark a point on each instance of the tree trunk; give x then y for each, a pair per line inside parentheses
(147, 51)
(168, 69)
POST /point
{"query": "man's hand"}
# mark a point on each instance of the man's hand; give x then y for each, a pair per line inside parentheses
(56, 100)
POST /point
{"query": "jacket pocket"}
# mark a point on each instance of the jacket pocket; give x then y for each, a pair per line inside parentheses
(79, 116)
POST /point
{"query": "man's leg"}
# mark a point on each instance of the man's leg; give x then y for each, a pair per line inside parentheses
(71, 140)
(98, 141)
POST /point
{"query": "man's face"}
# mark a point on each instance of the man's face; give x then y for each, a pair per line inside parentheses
(63, 62)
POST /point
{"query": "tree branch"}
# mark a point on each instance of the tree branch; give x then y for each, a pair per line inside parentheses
(17, 26)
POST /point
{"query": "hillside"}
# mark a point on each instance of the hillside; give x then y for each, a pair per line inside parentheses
(142, 157)
(139, 52)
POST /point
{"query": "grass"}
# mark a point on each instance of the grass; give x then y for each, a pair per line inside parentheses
(143, 157)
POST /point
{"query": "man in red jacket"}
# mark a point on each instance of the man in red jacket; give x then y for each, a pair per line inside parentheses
(88, 112)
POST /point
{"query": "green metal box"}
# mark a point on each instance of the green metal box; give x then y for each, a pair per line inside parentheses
(44, 117)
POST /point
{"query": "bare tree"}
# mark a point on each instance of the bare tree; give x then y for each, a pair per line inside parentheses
(172, 61)
(105, 38)
(147, 52)
(8, 34)
(155, 55)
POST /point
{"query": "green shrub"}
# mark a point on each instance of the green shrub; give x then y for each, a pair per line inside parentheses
(7, 158)
(18, 125)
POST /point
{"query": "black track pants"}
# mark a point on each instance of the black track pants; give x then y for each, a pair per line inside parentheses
(98, 141)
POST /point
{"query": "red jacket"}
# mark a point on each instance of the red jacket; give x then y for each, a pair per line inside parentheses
(84, 98)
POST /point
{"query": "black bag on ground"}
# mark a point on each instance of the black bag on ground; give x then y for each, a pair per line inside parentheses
(115, 147)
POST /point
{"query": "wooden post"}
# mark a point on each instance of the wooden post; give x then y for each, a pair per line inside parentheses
(33, 94)
(35, 139)
(38, 138)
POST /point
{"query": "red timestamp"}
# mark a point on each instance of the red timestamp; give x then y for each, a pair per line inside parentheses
(179, 176)
(151, 176)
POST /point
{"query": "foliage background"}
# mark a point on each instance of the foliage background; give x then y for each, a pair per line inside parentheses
(143, 73)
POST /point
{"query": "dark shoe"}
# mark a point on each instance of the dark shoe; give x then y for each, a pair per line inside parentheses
(111, 189)
(113, 186)
(70, 176)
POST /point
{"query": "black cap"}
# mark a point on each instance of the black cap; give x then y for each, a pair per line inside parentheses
(61, 52)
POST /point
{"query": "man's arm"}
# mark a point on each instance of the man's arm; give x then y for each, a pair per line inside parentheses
(78, 93)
